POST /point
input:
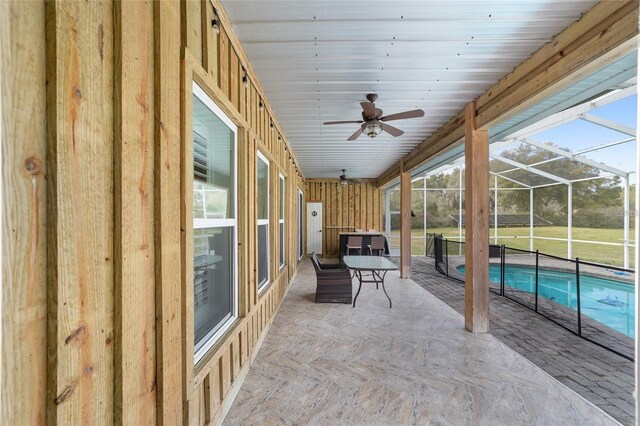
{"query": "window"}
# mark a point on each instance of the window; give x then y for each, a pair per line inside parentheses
(300, 219)
(215, 291)
(281, 220)
(263, 221)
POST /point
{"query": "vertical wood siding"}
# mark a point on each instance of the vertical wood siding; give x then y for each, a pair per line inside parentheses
(81, 212)
(344, 208)
(94, 299)
(134, 251)
(24, 215)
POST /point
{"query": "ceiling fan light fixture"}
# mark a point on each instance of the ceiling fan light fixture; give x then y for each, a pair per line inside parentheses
(372, 129)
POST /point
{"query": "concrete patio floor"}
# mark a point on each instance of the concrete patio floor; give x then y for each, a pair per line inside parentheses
(413, 364)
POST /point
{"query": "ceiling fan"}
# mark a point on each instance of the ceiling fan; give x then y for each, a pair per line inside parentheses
(373, 122)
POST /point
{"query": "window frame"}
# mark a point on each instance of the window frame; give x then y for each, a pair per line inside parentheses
(281, 221)
(261, 222)
(201, 348)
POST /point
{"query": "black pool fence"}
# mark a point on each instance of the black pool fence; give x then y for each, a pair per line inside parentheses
(564, 306)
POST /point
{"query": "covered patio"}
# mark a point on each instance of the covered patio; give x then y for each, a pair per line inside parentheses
(168, 168)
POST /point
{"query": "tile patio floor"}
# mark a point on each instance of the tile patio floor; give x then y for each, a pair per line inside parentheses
(413, 364)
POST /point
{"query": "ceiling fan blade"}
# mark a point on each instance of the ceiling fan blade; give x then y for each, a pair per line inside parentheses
(326, 123)
(393, 131)
(369, 109)
(407, 114)
(354, 136)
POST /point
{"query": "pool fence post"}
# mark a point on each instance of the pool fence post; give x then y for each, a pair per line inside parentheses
(537, 266)
(578, 296)
(502, 268)
(446, 254)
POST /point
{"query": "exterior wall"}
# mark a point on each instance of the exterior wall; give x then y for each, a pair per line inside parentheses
(97, 302)
(357, 205)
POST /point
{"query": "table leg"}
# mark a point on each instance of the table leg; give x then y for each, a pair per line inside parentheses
(385, 290)
(359, 274)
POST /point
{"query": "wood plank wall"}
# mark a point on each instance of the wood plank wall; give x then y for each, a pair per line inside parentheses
(96, 295)
(344, 208)
(24, 215)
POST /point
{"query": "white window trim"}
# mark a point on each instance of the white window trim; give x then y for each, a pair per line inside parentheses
(208, 341)
(300, 220)
(263, 285)
(283, 186)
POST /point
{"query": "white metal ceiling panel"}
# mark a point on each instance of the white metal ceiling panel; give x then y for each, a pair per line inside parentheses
(317, 60)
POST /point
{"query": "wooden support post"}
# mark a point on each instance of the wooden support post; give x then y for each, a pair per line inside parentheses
(405, 225)
(476, 309)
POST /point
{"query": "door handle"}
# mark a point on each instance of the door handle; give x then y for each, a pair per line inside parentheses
(320, 230)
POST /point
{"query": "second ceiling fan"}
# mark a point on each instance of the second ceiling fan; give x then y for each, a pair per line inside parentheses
(373, 122)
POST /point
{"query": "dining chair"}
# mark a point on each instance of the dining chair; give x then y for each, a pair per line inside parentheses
(377, 246)
(354, 243)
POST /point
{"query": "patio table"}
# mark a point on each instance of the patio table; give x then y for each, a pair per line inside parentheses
(377, 265)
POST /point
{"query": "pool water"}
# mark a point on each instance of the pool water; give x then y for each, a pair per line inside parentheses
(607, 301)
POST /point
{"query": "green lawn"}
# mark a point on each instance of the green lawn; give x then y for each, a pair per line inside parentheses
(611, 255)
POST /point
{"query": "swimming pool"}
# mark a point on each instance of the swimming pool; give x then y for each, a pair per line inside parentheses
(607, 301)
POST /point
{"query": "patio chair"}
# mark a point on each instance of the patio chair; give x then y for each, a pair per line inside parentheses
(377, 246)
(354, 243)
(333, 282)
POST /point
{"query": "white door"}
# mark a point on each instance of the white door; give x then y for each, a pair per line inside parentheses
(314, 228)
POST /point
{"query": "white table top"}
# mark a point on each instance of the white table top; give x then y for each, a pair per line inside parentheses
(369, 263)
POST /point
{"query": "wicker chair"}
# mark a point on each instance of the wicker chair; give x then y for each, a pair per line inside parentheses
(334, 282)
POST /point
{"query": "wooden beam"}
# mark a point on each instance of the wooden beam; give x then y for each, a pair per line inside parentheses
(582, 41)
(603, 34)
(405, 225)
(167, 198)
(476, 288)
(24, 215)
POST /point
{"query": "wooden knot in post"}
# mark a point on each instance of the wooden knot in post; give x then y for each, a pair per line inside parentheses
(32, 166)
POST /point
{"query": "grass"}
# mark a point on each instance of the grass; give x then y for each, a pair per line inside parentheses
(610, 255)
